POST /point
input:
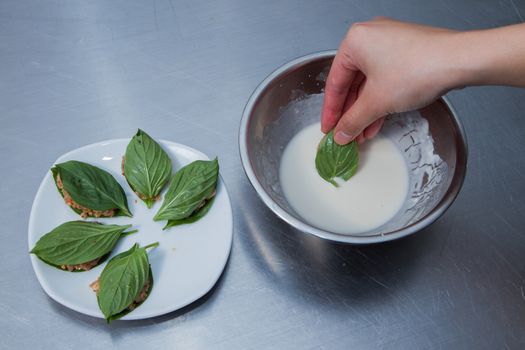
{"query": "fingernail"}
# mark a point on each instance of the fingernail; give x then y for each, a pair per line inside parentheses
(343, 138)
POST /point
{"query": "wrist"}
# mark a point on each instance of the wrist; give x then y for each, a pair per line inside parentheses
(463, 64)
(488, 57)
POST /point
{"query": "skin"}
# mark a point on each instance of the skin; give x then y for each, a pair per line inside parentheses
(386, 66)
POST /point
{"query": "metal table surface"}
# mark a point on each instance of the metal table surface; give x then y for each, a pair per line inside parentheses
(77, 72)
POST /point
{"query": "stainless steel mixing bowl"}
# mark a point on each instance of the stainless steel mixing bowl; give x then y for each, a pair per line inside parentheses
(265, 131)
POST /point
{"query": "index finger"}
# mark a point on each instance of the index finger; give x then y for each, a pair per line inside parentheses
(342, 73)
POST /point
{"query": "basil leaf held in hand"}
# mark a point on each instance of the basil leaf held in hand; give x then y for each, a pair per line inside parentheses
(336, 161)
(78, 245)
(125, 282)
(191, 188)
(90, 191)
(146, 166)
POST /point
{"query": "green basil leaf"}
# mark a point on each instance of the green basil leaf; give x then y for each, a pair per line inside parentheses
(78, 242)
(135, 304)
(91, 188)
(333, 160)
(147, 167)
(196, 216)
(190, 187)
(121, 281)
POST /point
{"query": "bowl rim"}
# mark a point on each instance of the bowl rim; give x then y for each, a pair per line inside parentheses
(447, 200)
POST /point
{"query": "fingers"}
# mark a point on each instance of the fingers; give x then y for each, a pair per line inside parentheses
(353, 91)
(382, 19)
(372, 130)
(340, 79)
(362, 113)
(352, 97)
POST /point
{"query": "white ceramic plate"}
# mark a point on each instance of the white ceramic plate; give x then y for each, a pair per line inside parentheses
(186, 264)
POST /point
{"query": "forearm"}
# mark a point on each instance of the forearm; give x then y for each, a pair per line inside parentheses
(489, 57)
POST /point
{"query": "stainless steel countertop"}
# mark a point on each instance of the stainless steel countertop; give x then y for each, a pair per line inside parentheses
(78, 72)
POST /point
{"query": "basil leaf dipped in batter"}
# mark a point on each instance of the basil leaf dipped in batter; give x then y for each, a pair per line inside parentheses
(90, 191)
(336, 161)
(78, 245)
(125, 282)
(146, 166)
(190, 189)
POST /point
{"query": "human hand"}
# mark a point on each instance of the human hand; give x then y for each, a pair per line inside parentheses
(383, 67)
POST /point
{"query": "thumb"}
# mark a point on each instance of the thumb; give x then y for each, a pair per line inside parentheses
(363, 112)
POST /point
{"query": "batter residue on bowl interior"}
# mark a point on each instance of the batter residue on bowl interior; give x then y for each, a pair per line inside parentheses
(368, 200)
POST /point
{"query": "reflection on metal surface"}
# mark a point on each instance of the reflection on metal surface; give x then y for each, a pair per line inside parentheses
(258, 236)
